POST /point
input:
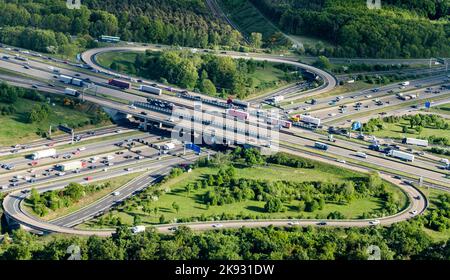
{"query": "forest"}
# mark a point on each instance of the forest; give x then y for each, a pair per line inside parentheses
(408, 29)
(43, 23)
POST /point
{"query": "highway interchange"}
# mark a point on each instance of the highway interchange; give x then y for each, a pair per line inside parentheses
(297, 141)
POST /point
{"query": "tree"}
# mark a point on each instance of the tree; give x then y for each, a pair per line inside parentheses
(137, 220)
(323, 62)
(176, 207)
(274, 205)
(256, 40)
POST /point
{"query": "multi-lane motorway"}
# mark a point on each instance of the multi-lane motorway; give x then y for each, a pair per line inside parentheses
(42, 77)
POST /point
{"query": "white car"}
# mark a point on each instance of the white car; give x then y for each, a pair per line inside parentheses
(374, 222)
(217, 225)
(61, 173)
(293, 223)
(414, 212)
(132, 107)
(4, 187)
(116, 193)
(341, 160)
(82, 149)
(129, 169)
(369, 96)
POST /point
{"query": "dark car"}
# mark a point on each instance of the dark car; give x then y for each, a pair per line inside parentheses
(321, 223)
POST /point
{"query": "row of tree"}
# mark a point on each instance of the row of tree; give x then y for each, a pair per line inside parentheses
(53, 200)
(402, 241)
(210, 74)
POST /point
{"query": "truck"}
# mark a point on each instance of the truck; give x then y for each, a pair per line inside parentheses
(168, 146)
(119, 84)
(70, 166)
(401, 155)
(137, 229)
(238, 103)
(65, 79)
(417, 142)
(309, 119)
(237, 114)
(77, 82)
(276, 99)
(150, 89)
(43, 154)
(71, 92)
(321, 146)
(405, 83)
(70, 80)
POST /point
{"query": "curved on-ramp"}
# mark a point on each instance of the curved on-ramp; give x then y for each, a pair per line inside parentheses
(330, 82)
(417, 202)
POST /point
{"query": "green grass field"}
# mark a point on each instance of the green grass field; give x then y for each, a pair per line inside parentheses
(395, 131)
(125, 59)
(15, 129)
(115, 183)
(270, 74)
(191, 205)
(432, 196)
(441, 109)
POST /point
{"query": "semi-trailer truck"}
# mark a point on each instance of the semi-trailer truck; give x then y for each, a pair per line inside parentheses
(119, 84)
(150, 89)
(401, 155)
(43, 154)
(417, 142)
(71, 92)
(238, 114)
(71, 80)
(70, 166)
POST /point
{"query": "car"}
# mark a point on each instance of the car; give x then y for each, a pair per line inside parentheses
(293, 223)
(322, 223)
(374, 222)
(414, 212)
(129, 169)
(116, 193)
(341, 160)
(77, 75)
(89, 178)
(61, 173)
(173, 228)
(143, 113)
(34, 86)
(82, 149)
(398, 177)
(217, 225)
(417, 197)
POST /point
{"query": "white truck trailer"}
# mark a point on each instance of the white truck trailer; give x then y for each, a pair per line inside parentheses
(150, 89)
(43, 154)
(417, 142)
(401, 155)
(70, 166)
(168, 146)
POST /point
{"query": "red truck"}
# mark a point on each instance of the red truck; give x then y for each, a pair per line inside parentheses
(238, 114)
(119, 84)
